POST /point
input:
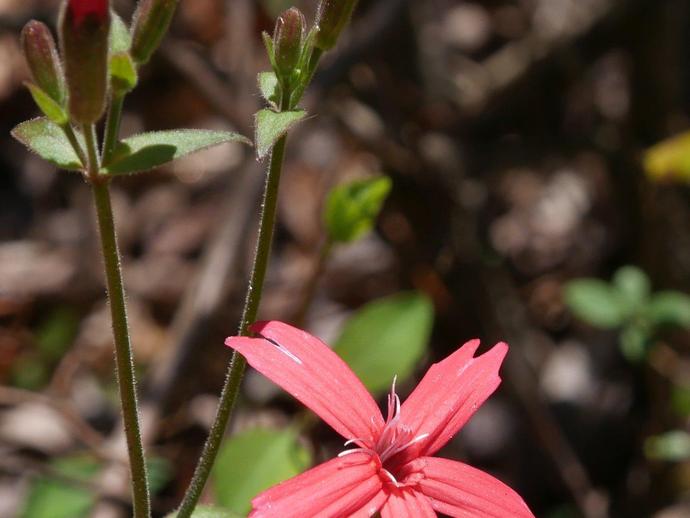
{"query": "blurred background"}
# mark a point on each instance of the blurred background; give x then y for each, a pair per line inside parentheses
(514, 133)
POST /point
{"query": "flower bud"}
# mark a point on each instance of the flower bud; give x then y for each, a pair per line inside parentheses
(44, 62)
(150, 23)
(84, 29)
(331, 18)
(288, 38)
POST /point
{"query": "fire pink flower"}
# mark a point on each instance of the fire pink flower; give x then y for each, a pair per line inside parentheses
(388, 466)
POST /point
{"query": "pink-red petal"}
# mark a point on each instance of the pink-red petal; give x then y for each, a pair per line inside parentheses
(407, 503)
(341, 487)
(449, 394)
(461, 491)
(309, 370)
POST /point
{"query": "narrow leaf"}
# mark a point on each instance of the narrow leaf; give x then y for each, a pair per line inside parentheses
(387, 338)
(351, 209)
(147, 151)
(596, 302)
(253, 461)
(47, 105)
(270, 126)
(48, 140)
(120, 39)
(123, 72)
(269, 88)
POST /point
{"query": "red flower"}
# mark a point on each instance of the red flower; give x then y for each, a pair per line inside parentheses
(389, 467)
(81, 9)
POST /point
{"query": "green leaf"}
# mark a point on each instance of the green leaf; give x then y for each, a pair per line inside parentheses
(351, 209)
(147, 151)
(670, 308)
(205, 511)
(270, 88)
(387, 338)
(120, 39)
(253, 461)
(47, 105)
(270, 126)
(669, 160)
(123, 72)
(596, 302)
(51, 497)
(633, 284)
(672, 446)
(56, 332)
(48, 140)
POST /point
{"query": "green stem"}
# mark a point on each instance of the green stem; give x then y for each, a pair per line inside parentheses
(124, 360)
(112, 125)
(235, 372)
(74, 142)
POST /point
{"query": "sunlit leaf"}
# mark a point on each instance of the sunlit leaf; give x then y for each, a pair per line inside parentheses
(123, 72)
(47, 105)
(269, 88)
(147, 151)
(120, 39)
(270, 126)
(48, 140)
(670, 159)
(351, 209)
(672, 446)
(387, 338)
(253, 461)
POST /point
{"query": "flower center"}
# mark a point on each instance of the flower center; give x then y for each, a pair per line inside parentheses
(394, 438)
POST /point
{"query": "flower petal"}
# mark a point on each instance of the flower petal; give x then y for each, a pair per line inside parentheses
(340, 487)
(309, 370)
(407, 503)
(449, 394)
(461, 491)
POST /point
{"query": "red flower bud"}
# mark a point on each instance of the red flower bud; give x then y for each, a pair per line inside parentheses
(288, 37)
(331, 18)
(84, 30)
(150, 23)
(80, 10)
(44, 62)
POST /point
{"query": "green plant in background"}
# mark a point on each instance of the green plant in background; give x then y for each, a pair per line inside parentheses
(628, 305)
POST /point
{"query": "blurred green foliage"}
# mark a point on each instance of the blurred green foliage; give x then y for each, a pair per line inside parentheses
(628, 304)
(254, 460)
(387, 338)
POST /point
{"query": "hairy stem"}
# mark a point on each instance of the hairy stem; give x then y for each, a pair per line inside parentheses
(124, 361)
(235, 372)
(112, 126)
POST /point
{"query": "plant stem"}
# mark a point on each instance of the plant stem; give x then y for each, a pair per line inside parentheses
(112, 125)
(124, 360)
(233, 377)
(74, 142)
